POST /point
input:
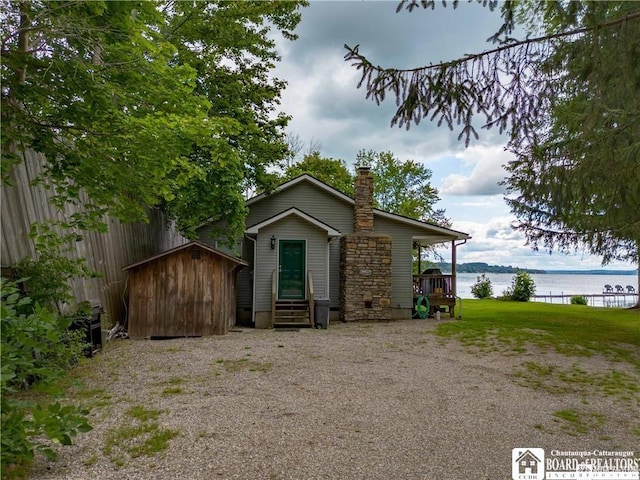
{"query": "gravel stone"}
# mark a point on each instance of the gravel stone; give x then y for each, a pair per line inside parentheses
(356, 401)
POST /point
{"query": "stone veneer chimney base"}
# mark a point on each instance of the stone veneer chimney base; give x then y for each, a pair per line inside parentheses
(365, 277)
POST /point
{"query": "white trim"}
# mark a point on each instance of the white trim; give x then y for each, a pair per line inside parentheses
(331, 232)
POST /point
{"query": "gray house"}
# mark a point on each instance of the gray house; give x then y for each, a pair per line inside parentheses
(307, 241)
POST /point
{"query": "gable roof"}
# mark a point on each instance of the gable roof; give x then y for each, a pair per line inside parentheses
(203, 246)
(448, 232)
(305, 177)
(331, 232)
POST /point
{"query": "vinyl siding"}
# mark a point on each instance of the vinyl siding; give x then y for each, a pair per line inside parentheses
(289, 228)
(311, 200)
(245, 278)
(319, 204)
(402, 260)
(334, 212)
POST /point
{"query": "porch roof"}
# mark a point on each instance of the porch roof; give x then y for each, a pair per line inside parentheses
(426, 233)
(331, 232)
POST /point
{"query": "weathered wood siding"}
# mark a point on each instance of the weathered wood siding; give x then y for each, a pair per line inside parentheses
(182, 295)
(106, 253)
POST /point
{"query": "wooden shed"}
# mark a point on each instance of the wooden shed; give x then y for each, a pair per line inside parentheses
(188, 291)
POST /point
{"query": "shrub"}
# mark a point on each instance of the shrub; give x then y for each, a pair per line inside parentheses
(522, 287)
(579, 300)
(482, 288)
(37, 347)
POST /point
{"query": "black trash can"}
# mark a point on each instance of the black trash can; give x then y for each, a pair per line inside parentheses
(91, 326)
(321, 312)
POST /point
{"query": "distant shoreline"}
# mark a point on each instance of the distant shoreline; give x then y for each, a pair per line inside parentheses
(592, 272)
(481, 267)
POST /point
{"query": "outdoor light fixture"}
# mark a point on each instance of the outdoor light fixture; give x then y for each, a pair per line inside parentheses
(273, 242)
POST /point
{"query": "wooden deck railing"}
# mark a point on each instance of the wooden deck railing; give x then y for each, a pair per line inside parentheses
(434, 285)
(439, 289)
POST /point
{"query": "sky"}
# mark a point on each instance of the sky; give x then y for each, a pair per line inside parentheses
(328, 109)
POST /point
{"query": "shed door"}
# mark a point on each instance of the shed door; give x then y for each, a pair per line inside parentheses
(291, 269)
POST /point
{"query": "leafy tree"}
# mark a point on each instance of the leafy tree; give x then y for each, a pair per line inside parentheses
(133, 105)
(403, 187)
(331, 171)
(399, 187)
(574, 180)
(92, 86)
(229, 46)
(138, 104)
(522, 287)
(567, 95)
(482, 288)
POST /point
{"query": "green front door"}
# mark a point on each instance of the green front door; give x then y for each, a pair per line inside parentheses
(291, 267)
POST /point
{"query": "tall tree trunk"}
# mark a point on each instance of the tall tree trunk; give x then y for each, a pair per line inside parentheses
(23, 40)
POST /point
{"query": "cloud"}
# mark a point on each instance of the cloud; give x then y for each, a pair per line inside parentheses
(322, 94)
(487, 171)
(325, 105)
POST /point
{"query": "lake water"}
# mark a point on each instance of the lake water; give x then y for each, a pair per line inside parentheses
(558, 284)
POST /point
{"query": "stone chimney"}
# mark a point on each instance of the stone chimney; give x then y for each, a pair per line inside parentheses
(363, 210)
(365, 261)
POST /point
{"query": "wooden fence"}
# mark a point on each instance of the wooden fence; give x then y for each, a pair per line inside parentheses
(24, 203)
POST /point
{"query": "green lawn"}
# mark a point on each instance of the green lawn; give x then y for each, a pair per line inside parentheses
(568, 329)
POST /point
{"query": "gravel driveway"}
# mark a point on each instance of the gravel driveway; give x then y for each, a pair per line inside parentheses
(357, 401)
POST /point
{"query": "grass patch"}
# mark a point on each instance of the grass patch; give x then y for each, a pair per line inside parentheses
(136, 440)
(175, 381)
(514, 328)
(568, 329)
(244, 364)
(172, 391)
(575, 422)
(174, 349)
(553, 379)
(90, 397)
(142, 413)
(141, 436)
